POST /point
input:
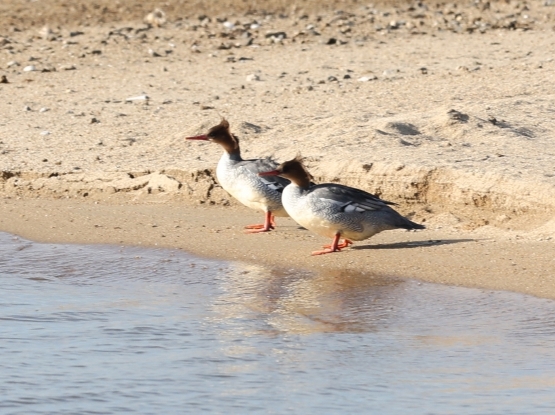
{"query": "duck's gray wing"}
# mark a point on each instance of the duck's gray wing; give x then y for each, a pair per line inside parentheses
(256, 166)
(348, 199)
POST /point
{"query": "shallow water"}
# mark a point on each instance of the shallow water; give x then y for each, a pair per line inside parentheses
(116, 330)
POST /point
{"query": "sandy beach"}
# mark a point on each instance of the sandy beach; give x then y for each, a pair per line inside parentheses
(445, 109)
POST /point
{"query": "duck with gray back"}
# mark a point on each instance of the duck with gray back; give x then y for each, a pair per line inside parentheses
(334, 210)
(240, 177)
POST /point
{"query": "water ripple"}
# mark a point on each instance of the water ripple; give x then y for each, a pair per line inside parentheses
(112, 330)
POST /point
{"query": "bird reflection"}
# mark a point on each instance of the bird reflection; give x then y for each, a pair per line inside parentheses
(277, 301)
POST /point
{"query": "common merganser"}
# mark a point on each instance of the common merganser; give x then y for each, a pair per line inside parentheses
(240, 177)
(334, 210)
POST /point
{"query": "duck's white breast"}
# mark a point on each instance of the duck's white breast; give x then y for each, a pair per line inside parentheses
(307, 213)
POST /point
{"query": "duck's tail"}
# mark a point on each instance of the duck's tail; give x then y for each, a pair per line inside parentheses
(410, 225)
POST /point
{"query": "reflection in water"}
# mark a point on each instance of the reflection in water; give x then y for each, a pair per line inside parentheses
(292, 301)
(113, 330)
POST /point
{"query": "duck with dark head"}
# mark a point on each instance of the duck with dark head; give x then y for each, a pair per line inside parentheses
(240, 177)
(334, 210)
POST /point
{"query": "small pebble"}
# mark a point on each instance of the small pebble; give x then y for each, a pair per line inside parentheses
(43, 109)
(153, 53)
(156, 18)
(4, 80)
(30, 68)
(138, 98)
(252, 77)
(46, 33)
(367, 78)
(45, 133)
(276, 35)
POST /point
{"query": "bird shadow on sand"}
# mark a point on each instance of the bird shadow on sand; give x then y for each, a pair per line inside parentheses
(414, 244)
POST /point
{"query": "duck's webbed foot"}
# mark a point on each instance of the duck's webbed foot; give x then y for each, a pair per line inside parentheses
(267, 226)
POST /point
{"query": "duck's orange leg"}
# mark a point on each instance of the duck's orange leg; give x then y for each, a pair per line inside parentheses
(334, 247)
(268, 225)
(345, 244)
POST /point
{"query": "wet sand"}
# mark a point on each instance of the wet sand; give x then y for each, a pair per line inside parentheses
(473, 258)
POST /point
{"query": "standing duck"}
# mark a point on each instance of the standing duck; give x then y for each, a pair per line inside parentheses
(334, 210)
(240, 177)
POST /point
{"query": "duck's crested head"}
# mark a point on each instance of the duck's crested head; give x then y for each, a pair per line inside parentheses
(220, 134)
(293, 170)
(220, 131)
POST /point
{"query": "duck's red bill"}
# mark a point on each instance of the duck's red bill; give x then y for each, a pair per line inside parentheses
(269, 173)
(197, 137)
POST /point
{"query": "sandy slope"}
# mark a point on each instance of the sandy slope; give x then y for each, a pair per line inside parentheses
(447, 110)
